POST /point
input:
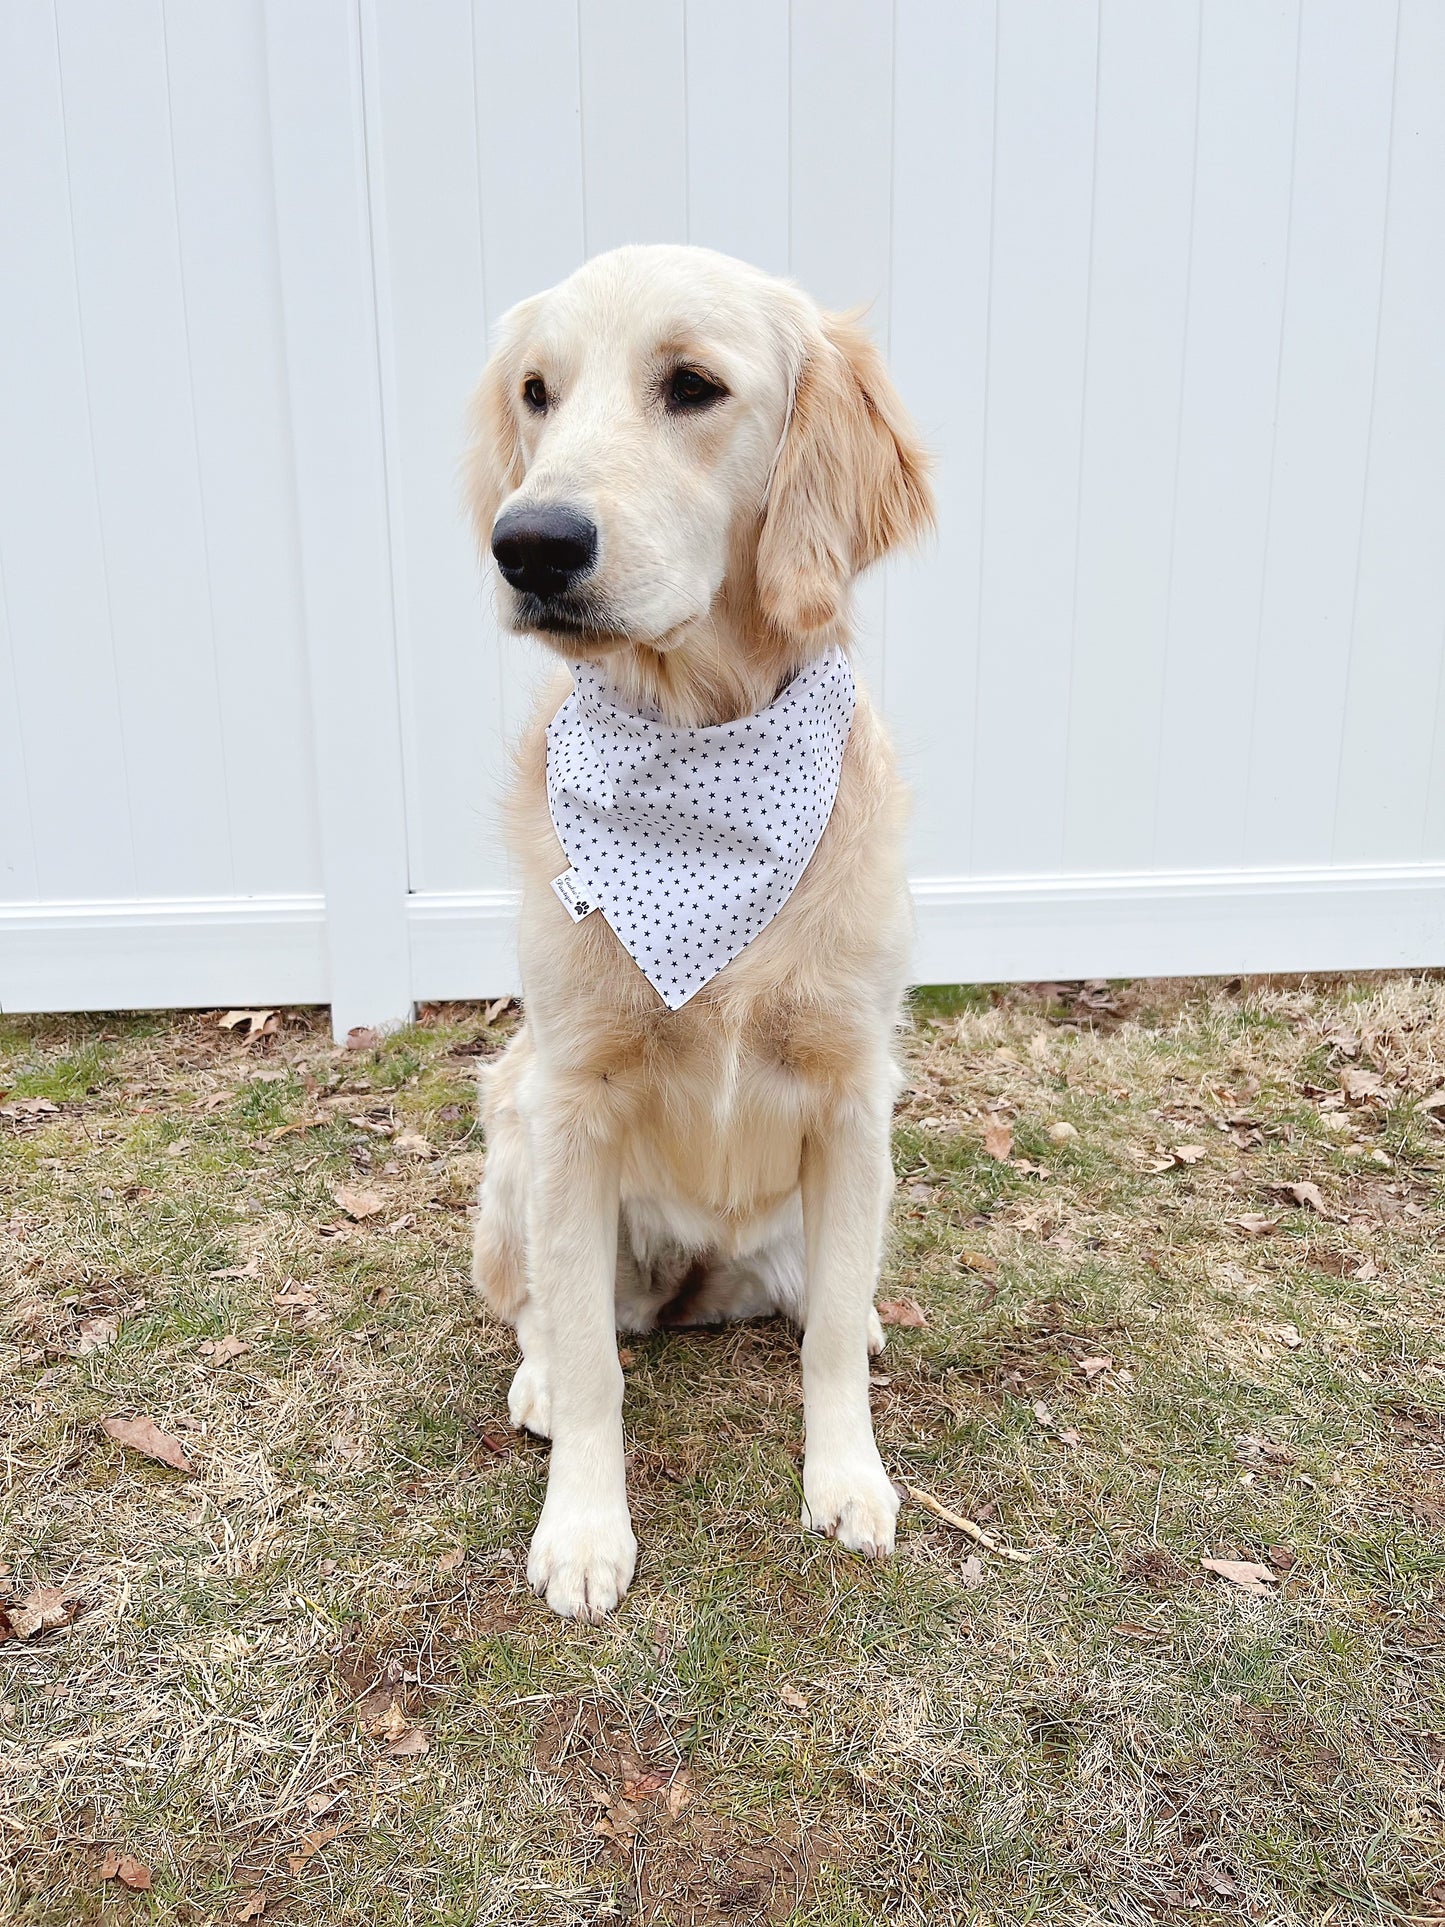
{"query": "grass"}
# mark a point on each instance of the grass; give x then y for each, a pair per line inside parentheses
(307, 1676)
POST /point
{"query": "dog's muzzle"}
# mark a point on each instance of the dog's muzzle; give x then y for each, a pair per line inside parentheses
(544, 551)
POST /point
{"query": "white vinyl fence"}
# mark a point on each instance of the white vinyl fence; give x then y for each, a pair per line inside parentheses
(1163, 280)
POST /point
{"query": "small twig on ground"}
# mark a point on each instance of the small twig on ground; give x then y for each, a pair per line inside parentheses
(976, 1533)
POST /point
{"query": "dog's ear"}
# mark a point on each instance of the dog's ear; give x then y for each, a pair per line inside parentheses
(850, 482)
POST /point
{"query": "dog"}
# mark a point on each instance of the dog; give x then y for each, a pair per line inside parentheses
(680, 464)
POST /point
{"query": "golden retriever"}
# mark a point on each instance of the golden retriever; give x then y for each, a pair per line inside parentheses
(681, 464)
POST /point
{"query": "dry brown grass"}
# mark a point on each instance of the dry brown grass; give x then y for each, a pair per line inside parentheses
(308, 1671)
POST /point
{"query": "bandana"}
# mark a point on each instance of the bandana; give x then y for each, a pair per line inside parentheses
(690, 841)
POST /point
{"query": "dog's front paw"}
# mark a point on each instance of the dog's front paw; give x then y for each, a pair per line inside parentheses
(529, 1402)
(581, 1560)
(853, 1501)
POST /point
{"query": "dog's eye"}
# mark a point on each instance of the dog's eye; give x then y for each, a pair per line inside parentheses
(534, 393)
(689, 388)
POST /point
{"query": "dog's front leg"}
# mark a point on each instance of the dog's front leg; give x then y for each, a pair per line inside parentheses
(583, 1551)
(847, 1179)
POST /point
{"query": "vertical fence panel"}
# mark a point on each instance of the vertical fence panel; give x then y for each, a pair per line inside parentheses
(328, 292)
(226, 219)
(943, 132)
(1038, 327)
(1327, 377)
(51, 557)
(737, 129)
(1138, 283)
(1399, 612)
(1220, 524)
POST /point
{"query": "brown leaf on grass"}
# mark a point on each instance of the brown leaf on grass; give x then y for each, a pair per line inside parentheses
(998, 1138)
(29, 1107)
(129, 1871)
(1434, 1102)
(643, 1786)
(1247, 1574)
(679, 1792)
(449, 1561)
(95, 1334)
(970, 1573)
(43, 1610)
(220, 1351)
(412, 1144)
(1305, 1195)
(256, 1021)
(144, 1435)
(1093, 1367)
(311, 1844)
(900, 1311)
(358, 1204)
(361, 1037)
(409, 1744)
(790, 1696)
(252, 1907)
(1188, 1153)
(1062, 1132)
(1282, 1558)
(1130, 1629)
(1361, 1083)
(498, 1444)
(1254, 1224)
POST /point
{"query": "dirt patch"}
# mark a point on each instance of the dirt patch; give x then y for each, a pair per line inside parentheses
(681, 1856)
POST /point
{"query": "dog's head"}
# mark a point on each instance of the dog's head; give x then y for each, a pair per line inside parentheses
(668, 423)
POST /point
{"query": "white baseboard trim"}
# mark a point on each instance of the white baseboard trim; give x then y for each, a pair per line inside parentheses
(198, 951)
(1024, 929)
(1194, 923)
(162, 954)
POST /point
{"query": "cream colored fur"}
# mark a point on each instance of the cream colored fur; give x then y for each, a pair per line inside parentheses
(731, 1157)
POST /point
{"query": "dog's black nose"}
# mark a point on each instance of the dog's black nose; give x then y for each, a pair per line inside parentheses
(544, 551)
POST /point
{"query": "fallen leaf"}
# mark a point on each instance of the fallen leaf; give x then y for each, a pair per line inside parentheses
(311, 1844)
(1360, 1083)
(497, 1443)
(1092, 1367)
(251, 1269)
(252, 1907)
(998, 1138)
(1188, 1153)
(790, 1696)
(970, 1573)
(1068, 1436)
(42, 1610)
(449, 1561)
(1282, 1558)
(1254, 1224)
(1042, 1412)
(407, 1745)
(412, 1144)
(679, 1792)
(361, 1037)
(221, 1351)
(358, 1204)
(95, 1334)
(1288, 1336)
(129, 1871)
(643, 1786)
(494, 1010)
(30, 1107)
(1305, 1194)
(144, 1435)
(1130, 1629)
(1435, 1101)
(1365, 1273)
(900, 1311)
(1061, 1132)
(1247, 1574)
(255, 1021)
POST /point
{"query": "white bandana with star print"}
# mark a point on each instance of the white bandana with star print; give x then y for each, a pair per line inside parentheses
(690, 841)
